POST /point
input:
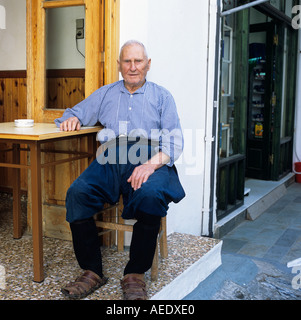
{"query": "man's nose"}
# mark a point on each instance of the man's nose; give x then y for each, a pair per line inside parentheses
(133, 66)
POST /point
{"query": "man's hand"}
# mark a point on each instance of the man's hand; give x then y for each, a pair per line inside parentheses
(140, 175)
(70, 124)
(144, 171)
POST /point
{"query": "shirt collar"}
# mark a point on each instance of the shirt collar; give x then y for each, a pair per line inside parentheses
(140, 90)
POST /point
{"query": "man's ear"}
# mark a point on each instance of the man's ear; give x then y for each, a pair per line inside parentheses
(118, 63)
(149, 64)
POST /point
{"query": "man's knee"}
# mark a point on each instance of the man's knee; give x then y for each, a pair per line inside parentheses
(79, 194)
(75, 191)
(149, 191)
(152, 198)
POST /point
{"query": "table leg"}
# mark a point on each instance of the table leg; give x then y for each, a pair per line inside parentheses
(92, 145)
(17, 233)
(37, 232)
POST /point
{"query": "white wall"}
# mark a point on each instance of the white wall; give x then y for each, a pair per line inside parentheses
(61, 52)
(175, 33)
(13, 38)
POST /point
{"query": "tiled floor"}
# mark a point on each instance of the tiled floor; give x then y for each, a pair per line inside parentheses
(255, 256)
(61, 266)
(275, 235)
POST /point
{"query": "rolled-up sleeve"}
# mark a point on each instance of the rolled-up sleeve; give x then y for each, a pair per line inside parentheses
(86, 111)
(172, 141)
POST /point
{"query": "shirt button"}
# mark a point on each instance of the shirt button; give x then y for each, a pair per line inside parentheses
(130, 108)
(131, 96)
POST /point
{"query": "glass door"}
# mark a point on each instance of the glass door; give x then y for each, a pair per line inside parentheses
(47, 46)
(232, 116)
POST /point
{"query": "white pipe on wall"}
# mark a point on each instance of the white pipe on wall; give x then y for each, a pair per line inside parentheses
(297, 137)
(209, 134)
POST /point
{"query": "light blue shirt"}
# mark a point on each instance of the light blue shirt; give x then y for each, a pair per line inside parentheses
(150, 112)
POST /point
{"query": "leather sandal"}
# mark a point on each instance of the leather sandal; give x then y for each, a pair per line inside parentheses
(133, 287)
(84, 285)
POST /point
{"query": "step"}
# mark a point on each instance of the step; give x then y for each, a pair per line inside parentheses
(259, 206)
(191, 259)
(259, 197)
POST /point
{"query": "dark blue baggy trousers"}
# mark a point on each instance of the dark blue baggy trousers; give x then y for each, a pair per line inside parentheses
(103, 182)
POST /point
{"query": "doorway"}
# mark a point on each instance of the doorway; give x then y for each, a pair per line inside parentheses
(272, 65)
(257, 101)
(261, 100)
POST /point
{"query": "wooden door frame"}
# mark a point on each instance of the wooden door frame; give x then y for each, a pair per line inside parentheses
(101, 56)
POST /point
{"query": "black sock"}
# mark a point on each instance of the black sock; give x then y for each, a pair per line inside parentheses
(143, 244)
(86, 245)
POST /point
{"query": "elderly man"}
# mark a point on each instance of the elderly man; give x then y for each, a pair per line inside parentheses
(132, 111)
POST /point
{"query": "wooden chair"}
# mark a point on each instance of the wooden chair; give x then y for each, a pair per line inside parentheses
(110, 219)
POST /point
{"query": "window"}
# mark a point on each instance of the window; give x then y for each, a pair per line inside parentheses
(227, 90)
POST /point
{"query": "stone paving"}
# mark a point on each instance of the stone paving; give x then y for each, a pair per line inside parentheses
(255, 256)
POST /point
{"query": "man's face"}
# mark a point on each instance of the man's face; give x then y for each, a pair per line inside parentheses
(133, 66)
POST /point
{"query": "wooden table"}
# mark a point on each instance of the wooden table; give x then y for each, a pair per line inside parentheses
(34, 137)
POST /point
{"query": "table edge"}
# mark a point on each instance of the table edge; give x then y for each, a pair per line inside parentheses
(47, 136)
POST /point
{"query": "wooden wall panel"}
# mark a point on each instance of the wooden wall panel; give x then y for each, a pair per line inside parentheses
(65, 88)
(12, 106)
(63, 93)
(12, 98)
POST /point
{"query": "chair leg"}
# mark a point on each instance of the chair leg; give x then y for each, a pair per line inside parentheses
(120, 241)
(120, 234)
(154, 269)
(163, 239)
(162, 242)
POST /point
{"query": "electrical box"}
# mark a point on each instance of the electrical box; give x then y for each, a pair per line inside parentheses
(80, 27)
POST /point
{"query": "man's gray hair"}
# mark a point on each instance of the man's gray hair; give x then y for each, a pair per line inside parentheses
(133, 42)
